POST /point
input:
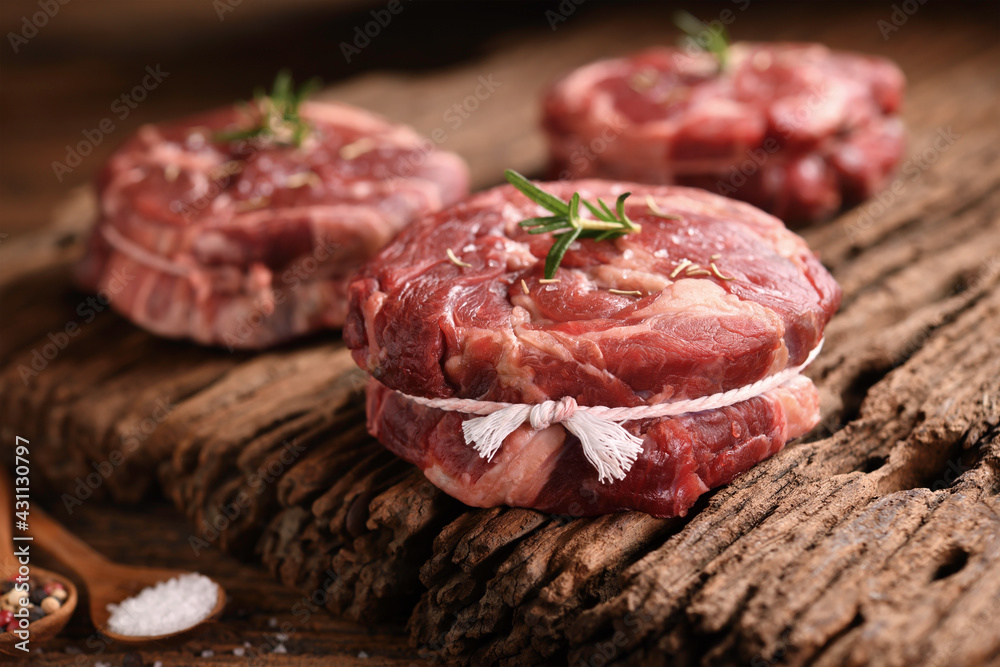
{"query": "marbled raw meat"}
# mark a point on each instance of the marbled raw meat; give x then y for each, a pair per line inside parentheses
(796, 129)
(425, 326)
(246, 243)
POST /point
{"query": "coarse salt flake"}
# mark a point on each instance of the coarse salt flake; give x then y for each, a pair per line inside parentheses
(168, 607)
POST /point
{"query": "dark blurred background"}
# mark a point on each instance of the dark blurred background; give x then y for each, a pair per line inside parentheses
(63, 63)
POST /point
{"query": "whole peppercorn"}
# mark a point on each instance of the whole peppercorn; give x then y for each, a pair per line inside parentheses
(5, 618)
(59, 594)
(36, 595)
(15, 595)
(53, 586)
(35, 613)
(13, 625)
(50, 604)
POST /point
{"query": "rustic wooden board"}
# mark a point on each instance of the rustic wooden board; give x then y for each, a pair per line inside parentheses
(876, 539)
(261, 613)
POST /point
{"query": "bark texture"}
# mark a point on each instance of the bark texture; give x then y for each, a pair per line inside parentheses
(875, 540)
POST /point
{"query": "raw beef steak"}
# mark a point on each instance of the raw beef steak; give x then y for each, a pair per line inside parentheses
(795, 129)
(727, 296)
(248, 243)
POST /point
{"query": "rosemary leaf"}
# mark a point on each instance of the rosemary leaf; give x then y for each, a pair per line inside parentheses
(275, 116)
(596, 212)
(620, 208)
(535, 194)
(551, 227)
(718, 40)
(558, 251)
(607, 211)
(534, 222)
(567, 225)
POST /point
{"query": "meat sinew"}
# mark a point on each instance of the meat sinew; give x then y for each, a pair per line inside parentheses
(249, 242)
(721, 297)
(795, 129)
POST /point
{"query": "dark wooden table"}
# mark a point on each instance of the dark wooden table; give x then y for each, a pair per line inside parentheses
(261, 614)
(875, 540)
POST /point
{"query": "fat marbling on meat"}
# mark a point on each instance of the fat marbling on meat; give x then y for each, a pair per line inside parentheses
(424, 325)
(248, 243)
(795, 129)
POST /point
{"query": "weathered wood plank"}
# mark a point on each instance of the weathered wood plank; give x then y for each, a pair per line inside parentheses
(261, 615)
(874, 540)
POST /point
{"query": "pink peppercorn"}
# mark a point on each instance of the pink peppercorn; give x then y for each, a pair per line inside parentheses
(53, 586)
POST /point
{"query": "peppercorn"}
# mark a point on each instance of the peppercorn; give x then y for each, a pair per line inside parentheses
(13, 626)
(53, 586)
(36, 595)
(5, 618)
(35, 613)
(59, 594)
(50, 604)
(15, 595)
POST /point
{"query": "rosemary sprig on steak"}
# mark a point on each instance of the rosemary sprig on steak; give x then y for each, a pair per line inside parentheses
(566, 224)
(694, 28)
(275, 117)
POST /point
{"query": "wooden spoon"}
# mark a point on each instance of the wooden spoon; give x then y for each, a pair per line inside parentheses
(52, 624)
(107, 582)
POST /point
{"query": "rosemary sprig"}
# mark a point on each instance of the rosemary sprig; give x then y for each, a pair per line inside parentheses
(694, 28)
(275, 117)
(566, 223)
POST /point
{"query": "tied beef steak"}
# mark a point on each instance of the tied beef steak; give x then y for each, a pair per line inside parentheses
(716, 298)
(795, 129)
(249, 242)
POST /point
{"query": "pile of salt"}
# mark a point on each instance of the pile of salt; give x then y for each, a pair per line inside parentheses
(168, 607)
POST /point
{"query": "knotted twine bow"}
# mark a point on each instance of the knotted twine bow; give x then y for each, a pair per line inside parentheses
(606, 444)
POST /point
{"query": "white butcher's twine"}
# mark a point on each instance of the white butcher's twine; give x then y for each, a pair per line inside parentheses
(139, 254)
(607, 445)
